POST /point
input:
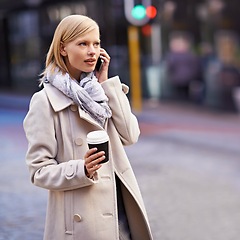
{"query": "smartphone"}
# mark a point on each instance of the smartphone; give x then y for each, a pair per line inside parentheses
(99, 64)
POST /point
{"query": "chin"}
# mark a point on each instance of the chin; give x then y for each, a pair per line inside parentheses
(89, 70)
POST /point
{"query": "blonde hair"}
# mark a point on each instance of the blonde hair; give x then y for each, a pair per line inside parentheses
(67, 30)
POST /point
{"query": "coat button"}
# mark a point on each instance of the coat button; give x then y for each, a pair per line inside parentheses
(77, 218)
(69, 171)
(78, 141)
(73, 108)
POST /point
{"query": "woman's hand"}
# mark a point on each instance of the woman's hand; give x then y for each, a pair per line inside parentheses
(102, 75)
(92, 161)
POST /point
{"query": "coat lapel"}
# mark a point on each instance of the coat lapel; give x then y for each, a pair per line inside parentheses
(59, 102)
(84, 115)
(57, 99)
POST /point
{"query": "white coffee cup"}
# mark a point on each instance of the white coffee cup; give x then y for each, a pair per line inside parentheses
(99, 139)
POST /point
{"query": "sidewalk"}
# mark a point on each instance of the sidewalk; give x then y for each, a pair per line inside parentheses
(188, 164)
(192, 124)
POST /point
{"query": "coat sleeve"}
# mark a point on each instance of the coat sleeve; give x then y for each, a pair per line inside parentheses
(124, 120)
(45, 171)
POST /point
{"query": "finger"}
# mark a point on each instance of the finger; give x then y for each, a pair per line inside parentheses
(91, 169)
(104, 54)
(94, 159)
(103, 51)
(94, 156)
(106, 60)
(95, 167)
(97, 155)
(90, 152)
(95, 162)
(98, 160)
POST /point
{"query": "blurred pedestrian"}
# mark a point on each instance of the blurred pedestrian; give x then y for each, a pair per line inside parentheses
(87, 199)
(228, 77)
(183, 69)
(207, 54)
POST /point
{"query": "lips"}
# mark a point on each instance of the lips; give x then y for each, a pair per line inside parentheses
(90, 60)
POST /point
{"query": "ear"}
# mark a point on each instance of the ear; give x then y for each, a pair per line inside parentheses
(63, 50)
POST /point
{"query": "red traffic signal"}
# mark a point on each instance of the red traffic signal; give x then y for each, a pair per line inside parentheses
(151, 12)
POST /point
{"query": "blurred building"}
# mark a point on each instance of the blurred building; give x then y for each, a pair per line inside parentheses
(27, 28)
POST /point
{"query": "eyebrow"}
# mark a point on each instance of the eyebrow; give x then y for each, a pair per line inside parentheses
(87, 40)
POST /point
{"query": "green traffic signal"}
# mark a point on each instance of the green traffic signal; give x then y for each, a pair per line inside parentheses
(139, 12)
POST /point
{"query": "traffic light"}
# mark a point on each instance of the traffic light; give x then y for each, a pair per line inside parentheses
(139, 14)
(151, 12)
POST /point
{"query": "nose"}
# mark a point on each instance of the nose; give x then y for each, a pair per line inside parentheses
(91, 50)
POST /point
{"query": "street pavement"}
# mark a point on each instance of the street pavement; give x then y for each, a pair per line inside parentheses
(187, 162)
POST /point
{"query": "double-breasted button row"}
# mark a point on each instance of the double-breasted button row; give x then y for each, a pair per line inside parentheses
(77, 218)
(78, 141)
(74, 108)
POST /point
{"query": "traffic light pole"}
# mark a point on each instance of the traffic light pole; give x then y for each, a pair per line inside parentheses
(135, 74)
(137, 14)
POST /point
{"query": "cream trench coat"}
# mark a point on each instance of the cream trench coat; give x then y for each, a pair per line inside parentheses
(80, 208)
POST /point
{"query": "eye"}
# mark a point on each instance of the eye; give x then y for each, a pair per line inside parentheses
(82, 44)
(96, 44)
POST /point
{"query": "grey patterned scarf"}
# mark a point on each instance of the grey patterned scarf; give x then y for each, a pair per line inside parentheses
(88, 94)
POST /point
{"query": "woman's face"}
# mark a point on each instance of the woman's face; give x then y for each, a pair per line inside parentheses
(81, 54)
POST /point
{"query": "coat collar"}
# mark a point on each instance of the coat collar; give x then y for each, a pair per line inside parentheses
(59, 101)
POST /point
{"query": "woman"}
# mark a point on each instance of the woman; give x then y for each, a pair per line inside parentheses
(87, 200)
